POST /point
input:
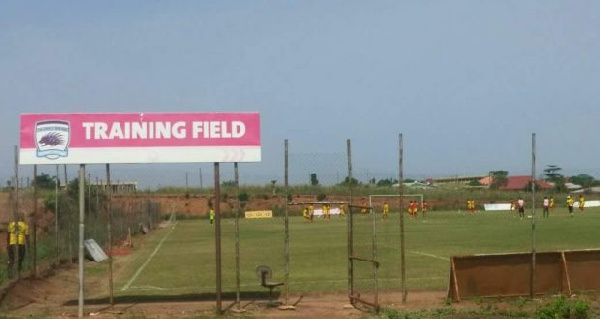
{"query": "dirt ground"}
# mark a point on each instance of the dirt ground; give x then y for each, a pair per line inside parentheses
(53, 294)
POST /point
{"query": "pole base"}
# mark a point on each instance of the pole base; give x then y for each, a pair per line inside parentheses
(286, 307)
(238, 310)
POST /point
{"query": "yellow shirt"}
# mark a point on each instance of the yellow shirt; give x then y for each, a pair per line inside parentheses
(570, 201)
(19, 229)
(386, 208)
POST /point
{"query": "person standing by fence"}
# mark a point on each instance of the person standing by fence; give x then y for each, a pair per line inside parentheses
(211, 215)
(521, 206)
(581, 203)
(546, 207)
(570, 205)
(386, 210)
(17, 240)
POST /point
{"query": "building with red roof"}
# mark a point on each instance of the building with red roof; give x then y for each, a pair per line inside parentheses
(517, 183)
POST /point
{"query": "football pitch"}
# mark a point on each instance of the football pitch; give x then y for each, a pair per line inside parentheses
(180, 259)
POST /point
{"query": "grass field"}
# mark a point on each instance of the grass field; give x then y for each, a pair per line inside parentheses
(180, 260)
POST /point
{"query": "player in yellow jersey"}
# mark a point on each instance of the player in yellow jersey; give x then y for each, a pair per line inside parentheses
(211, 215)
(305, 214)
(17, 238)
(385, 210)
(342, 210)
(570, 205)
(471, 206)
(363, 210)
(311, 212)
(581, 203)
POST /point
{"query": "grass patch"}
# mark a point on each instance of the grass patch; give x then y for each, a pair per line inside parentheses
(185, 262)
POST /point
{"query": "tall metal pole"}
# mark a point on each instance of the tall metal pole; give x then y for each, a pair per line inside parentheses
(109, 230)
(217, 209)
(533, 244)
(34, 221)
(350, 225)
(81, 237)
(237, 237)
(16, 202)
(56, 217)
(400, 191)
(286, 244)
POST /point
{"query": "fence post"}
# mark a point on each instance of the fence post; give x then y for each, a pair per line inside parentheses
(533, 244)
(217, 209)
(109, 235)
(34, 222)
(56, 185)
(16, 210)
(350, 225)
(400, 190)
(81, 236)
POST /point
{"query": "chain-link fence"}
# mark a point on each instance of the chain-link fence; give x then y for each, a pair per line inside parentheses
(51, 214)
(305, 244)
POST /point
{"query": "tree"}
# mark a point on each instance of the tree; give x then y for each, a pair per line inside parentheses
(584, 180)
(229, 183)
(474, 183)
(46, 181)
(499, 179)
(349, 182)
(386, 182)
(314, 181)
(552, 173)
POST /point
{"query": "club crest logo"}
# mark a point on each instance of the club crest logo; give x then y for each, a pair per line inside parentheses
(52, 139)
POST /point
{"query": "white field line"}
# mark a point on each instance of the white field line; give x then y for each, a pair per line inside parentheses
(428, 255)
(139, 271)
(418, 253)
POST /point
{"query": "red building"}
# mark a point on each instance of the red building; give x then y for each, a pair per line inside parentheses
(517, 183)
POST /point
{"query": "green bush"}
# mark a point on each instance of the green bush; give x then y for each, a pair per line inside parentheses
(580, 309)
(563, 308)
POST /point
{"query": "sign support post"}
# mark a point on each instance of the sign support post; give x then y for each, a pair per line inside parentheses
(81, 237)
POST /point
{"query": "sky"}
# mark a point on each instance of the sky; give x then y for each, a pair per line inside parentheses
(466, 83)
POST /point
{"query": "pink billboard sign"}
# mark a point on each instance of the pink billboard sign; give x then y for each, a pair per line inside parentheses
(139, 138)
